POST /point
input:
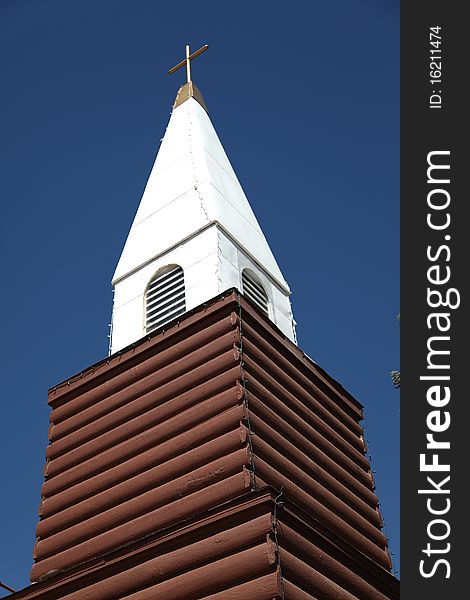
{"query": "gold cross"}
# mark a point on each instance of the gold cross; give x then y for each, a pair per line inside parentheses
(187, 61)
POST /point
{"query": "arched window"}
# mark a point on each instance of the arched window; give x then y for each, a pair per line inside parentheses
(165, 298)
(253, 289)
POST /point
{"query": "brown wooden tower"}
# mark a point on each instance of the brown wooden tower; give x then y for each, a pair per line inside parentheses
(210, 460)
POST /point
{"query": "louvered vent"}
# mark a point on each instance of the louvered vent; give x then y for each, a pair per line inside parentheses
(165, 298)
(254, 291)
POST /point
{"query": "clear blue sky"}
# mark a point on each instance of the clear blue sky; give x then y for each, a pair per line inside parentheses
(305, 98)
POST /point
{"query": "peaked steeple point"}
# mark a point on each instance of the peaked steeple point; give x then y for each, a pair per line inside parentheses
(194, 234)
(187, 91)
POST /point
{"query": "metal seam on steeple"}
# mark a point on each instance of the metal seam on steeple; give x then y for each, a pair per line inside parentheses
(193, 164)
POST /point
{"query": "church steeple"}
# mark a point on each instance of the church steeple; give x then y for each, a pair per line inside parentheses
(212, 459)
(194, 226)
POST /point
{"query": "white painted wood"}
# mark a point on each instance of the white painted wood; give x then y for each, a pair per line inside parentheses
(194, 214)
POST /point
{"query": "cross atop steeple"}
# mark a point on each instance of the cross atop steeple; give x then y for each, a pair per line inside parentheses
(187, 61)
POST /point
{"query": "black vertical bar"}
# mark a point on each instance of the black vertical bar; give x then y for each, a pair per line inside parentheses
(435, 233)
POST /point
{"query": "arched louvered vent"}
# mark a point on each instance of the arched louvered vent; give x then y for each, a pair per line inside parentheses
(253, 290)
(165, 298)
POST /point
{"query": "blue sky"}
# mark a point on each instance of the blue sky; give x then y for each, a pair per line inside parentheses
(305, 98)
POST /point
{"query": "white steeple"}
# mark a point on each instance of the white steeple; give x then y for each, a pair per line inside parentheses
(193, 215)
